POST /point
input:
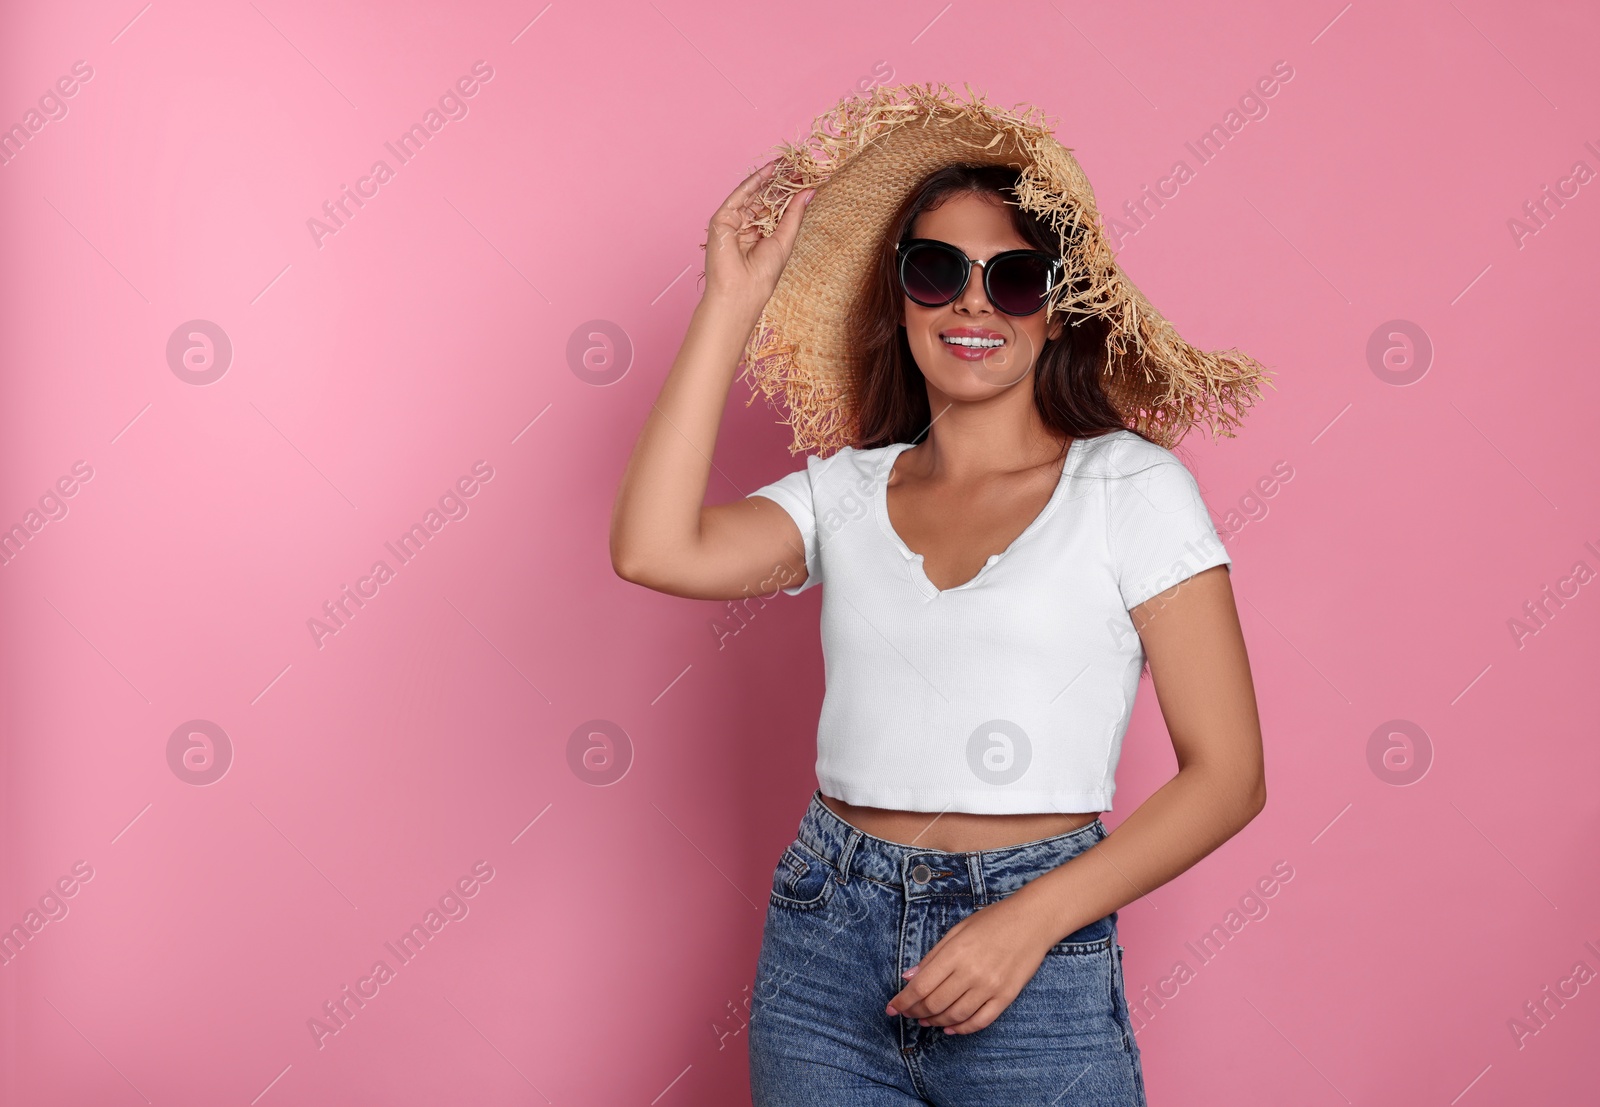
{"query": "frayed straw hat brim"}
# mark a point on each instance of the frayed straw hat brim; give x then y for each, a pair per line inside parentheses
(862, 157)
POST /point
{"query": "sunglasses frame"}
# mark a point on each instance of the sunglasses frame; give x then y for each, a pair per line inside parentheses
(903, 250)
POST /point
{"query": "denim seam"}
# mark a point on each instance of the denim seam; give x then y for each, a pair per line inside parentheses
(1082, 949)
(849, 850)
(816, 904)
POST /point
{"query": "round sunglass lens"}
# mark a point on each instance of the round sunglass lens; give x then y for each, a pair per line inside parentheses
(1020, 284)
(931, 276)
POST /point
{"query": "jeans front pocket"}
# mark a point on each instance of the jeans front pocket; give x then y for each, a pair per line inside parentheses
(1096, 939)
(802, 881)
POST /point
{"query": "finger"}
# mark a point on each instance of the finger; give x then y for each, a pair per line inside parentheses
(941, 999)
(984, 1016)
(741, 195)
(789, 225)
(912, 994)
(908, 1001)
(962, 1009)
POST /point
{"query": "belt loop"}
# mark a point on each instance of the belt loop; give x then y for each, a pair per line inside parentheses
(845, 855)
(975, 873)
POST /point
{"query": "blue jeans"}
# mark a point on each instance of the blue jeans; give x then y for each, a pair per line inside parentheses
(849, 913)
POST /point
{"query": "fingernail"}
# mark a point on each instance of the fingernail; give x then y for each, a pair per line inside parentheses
(949, 1030)
(805, 197)
(890, 1009)
(909, 973)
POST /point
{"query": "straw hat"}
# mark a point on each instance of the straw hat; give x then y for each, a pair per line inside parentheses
(863, 157)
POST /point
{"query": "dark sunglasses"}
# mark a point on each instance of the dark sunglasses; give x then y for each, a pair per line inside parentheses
(1017, 282)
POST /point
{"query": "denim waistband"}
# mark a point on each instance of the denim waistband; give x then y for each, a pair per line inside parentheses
(929, 873)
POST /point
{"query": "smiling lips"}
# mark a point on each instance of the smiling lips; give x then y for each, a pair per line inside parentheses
(971, 343)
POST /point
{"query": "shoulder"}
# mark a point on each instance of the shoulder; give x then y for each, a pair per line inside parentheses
(1122, 451)
(1139, 476)
(849, 467)
(1123, 459)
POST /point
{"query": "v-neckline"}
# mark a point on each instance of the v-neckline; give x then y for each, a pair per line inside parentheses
(915, 561)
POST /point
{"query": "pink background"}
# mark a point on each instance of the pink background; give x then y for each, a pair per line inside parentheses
(607, 960)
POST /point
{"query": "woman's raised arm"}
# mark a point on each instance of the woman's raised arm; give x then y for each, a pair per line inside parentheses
(663, 536)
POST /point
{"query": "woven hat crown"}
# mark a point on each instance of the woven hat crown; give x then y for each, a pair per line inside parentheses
(863, 157)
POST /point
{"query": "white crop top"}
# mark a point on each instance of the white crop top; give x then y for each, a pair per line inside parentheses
(1009, 693)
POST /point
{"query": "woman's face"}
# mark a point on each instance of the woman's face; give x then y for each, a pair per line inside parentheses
(982, 228)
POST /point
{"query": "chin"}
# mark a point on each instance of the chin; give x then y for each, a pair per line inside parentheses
(970, 380)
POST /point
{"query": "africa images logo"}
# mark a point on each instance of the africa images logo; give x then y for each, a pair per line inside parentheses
(452, 106)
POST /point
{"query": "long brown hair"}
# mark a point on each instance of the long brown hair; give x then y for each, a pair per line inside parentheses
(894, 395)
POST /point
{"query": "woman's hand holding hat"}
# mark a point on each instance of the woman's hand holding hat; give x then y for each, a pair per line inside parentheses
(743, 266)
(805, 351)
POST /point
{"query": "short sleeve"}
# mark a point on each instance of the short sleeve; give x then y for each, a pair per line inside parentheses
(1158, 528)
(793, 494)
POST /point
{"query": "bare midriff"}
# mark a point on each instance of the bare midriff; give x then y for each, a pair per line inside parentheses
(956, 831)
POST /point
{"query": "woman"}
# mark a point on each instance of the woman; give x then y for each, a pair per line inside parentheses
(1003, 553)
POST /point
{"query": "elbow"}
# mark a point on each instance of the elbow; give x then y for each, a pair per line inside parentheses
(626, 566)
(1255, 797)
(646, 571)
(625, 560)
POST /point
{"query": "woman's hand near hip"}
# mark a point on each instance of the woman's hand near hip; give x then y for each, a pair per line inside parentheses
(974, 972)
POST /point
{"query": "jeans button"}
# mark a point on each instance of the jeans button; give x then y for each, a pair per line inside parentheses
(922, 874)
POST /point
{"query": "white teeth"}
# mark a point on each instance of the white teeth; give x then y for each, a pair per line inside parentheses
(979, 342)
